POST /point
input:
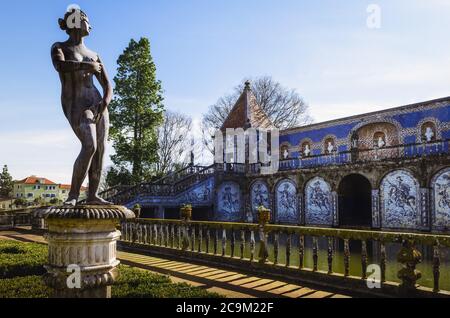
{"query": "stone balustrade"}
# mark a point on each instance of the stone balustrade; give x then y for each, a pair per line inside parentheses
(272, 248)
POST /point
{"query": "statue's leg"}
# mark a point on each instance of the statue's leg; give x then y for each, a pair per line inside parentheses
(87, 134)
(95, 171)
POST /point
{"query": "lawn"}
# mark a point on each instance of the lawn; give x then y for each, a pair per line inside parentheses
(21, 267)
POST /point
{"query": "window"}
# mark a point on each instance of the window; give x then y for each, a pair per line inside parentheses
(30, 195)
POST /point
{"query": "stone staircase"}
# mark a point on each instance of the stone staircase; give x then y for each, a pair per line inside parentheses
(171, 185)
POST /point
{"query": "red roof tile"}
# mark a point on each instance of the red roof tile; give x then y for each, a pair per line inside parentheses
(36, 180)
(247, 113)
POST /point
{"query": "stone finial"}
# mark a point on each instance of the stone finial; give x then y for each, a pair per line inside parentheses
(248, 85)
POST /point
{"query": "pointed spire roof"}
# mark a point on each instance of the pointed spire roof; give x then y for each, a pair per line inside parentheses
(246, 113)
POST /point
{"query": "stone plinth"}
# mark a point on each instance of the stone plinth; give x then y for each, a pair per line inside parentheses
(82, 240)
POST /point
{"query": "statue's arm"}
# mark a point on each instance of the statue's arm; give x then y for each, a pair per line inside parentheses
(104, 81)
(63, 66)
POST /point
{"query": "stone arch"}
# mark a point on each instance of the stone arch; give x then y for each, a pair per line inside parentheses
(383, 176)
(319, 203)
(440, 200)
(400, 201)
(286, 202)
(229, 201)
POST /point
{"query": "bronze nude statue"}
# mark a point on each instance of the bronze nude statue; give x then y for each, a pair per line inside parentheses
(84, 107)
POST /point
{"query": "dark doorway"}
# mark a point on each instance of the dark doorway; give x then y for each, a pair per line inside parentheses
(172, 213)
(355, 202)
(148, 213)
(201, 214)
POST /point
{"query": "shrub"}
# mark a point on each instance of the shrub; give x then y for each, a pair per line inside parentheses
(135, 283)
(27, 259)
(24, 287)
(21, 259)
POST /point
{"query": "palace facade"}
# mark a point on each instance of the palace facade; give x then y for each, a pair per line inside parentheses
(383, 170)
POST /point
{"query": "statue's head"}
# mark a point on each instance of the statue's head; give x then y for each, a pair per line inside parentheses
(75, 21)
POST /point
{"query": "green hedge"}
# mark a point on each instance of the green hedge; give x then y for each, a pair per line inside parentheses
(21, 265)
(133, 283)
(24, 287)
(21, 259)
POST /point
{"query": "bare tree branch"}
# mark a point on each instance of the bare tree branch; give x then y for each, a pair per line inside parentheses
(174, 142)
(285, 107)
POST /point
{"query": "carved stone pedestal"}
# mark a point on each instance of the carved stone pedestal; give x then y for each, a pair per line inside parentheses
(82, 249)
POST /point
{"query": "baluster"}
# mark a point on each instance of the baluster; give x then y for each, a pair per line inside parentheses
(216, 241)
(157, 234)
(150, 227)
(224, 242)
(346, 257)
(315, 253)
(436, 267)
(383, 261)
(276, 247)
(233, 242)
(301, 251)
(137, 230)
(330, 255)
(193, 238)
(140, 232)
(145, 233)
(167, 235)
(208, 239)
(180, 236)
(252, 246)
(364, 259)
(200, 238)
(242, 244)
(161, 235)
(155, 231)
(125, 231)
(172, 236)
(130, 232)
(288, 249)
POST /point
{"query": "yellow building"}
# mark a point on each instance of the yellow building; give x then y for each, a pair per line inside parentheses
(35, 188)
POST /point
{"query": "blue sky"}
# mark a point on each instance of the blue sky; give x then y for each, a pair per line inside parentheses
(203, 48)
